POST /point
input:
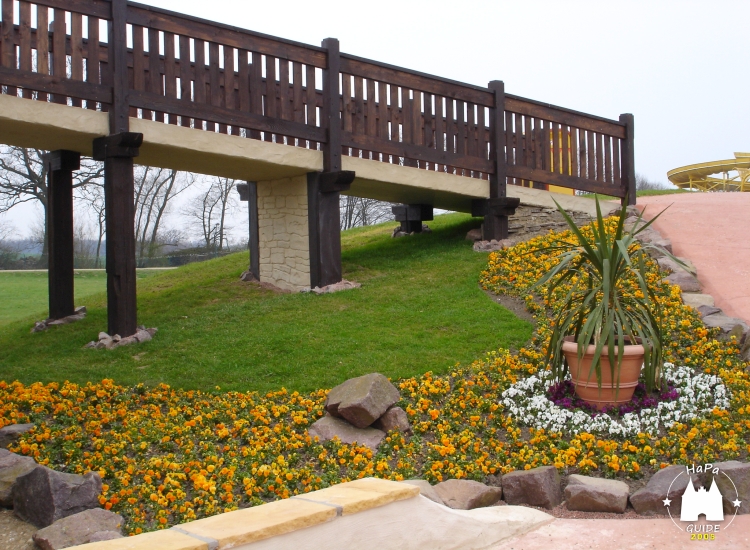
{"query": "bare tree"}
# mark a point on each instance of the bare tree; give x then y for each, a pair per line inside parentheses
(358, 211)
(209, 210)
(92, 197)
(642, 183)
(8, 251)
(23, 179)
(154, 190)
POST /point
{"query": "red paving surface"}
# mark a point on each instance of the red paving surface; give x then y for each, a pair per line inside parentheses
(711, 230)
(628, 534)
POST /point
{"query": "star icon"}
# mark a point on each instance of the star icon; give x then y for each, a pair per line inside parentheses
(737, 503)
(667, 502)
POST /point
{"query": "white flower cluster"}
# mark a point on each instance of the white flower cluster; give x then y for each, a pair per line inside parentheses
(527, 402)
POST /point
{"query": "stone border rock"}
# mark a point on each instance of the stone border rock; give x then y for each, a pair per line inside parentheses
(343, 284)
(41, 326)
(106, 341)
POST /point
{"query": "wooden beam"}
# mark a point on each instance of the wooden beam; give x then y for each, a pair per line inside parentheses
(628, 160)
(324, 226)
(249, 192)
(331, 115)
(59, 166)
(117, 152)
(118, 65)
(497, 141)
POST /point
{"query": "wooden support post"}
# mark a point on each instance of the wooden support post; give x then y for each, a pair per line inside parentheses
(628, 159)
(117, 151)
(324, 224)
(60, 166)
(249, 192)
(495, 212)
(330, 113)
(120, 111)
(411, 216)
(496, 226)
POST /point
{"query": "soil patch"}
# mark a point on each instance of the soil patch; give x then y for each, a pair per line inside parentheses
(14, 533)
(512, 304)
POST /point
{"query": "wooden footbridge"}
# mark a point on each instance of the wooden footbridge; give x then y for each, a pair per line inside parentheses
(301, 124)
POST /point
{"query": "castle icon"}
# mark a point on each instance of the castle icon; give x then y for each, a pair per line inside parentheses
(695, 503)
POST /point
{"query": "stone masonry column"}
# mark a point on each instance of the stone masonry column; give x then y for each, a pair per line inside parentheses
(283, 233)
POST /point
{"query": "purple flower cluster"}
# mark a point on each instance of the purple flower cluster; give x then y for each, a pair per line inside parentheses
(563, 395)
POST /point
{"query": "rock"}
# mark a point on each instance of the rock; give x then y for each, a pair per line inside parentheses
(426, 228)
(142, 336)
(11, 432)
(668, 264)
(343, 284)
(737, 333)
(731, 474)
(537, 487)
(362, 400)
(464, 494)
(43, 496)
(80, 309)
(80, 528)
(697, 300)
(705, 311)
(12, 466)
(329, 427)
(494, 246)
(247, 276)
(724, 322)
(474, 234)
(649, 501)
(394, 418)
(593, 494)
(39, 326)
(630, 211)
(425, 489)
(745, 349)
(685, 281)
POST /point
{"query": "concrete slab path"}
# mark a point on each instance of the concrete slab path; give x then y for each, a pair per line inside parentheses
(627, 534)
(713, 231)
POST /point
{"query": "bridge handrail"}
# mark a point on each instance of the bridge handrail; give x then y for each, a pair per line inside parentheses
(275, 92)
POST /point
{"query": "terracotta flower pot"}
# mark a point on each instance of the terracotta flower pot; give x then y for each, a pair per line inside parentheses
(586, 385)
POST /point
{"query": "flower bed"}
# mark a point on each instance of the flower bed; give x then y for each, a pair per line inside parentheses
(168, 456)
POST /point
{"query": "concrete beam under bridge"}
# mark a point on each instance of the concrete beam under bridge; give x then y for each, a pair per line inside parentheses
(51, 126)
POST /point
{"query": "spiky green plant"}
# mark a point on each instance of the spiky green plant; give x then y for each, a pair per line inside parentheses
(597, 308)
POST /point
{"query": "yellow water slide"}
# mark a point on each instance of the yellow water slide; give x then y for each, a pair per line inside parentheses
(718, 175)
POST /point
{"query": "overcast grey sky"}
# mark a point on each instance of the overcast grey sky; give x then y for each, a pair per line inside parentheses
(681, 67)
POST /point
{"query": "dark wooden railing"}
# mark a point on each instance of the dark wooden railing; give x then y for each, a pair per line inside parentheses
(199, 74)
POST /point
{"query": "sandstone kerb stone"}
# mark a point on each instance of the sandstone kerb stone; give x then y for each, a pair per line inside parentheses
(425, 489)
(12, 466)
(593, 494)
(80, 528)
(11, 432)
(362, 400)
(43, 495)
(536, 487)
(668, 483)
(630, 211)
(465, 494)
(394, 418)
(685, 281)
(329, 427)
(731, 474)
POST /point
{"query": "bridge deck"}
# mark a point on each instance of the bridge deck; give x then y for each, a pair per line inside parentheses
(51, 126)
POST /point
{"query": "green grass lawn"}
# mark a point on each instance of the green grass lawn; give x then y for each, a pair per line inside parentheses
(26, 293)
(419, 309)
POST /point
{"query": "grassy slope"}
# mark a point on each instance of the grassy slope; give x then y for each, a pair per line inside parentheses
(419, 309)
(27, 292)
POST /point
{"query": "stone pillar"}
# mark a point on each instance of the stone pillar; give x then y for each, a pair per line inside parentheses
(283, 234)
(60, 166)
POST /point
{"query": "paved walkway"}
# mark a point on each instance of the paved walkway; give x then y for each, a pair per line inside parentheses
(711, 230)
(628, 534)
